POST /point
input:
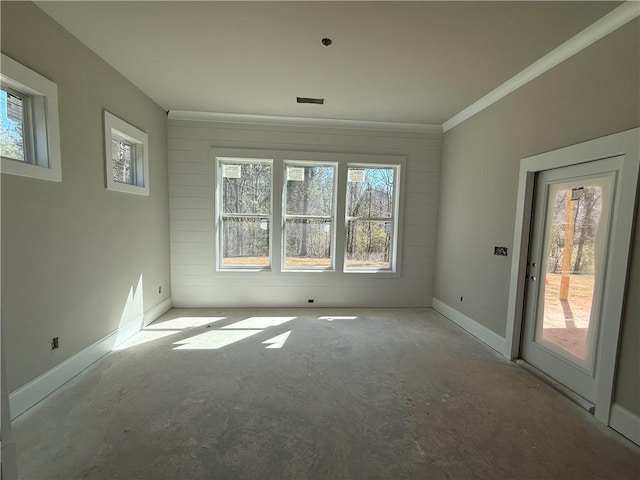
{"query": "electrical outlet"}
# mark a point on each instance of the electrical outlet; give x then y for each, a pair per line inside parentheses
(160, 289)
(461, 298)
(500, 251)
(310, 300)
(55, 343)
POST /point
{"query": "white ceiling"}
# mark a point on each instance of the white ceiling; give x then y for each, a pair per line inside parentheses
(414, 62)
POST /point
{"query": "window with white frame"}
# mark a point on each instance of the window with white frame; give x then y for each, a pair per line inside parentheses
(29, 130)
(309, 215)
(14, 125)
(126, 156)
(371, 217)
(244, 213)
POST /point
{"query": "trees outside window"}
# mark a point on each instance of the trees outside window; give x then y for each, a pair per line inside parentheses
(13, 115)
(246, 213)
(309, 215)
(586, 208)
(370, 217)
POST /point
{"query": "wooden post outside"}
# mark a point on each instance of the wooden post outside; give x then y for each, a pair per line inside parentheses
(567, 251)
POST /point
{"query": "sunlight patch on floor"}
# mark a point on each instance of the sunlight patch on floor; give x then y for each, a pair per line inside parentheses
(214, 339)
(277, 341)
(183, 322)
(259, 322)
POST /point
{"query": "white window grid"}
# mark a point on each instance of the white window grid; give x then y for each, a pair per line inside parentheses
(343, 161)
(221, 215)
(393, 218)
(331, 218)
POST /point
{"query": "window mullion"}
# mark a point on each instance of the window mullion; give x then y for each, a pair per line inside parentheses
(340, 230)
(277, 222)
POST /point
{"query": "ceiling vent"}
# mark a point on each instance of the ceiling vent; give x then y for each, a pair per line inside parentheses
(317, 101)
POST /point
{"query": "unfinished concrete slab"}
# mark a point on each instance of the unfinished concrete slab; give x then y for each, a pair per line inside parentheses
(312, 394)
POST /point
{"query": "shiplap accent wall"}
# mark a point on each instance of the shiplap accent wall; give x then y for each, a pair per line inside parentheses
(194, 280)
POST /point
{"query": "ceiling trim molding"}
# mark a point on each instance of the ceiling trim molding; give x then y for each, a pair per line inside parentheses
(304, 122)
(599, 29)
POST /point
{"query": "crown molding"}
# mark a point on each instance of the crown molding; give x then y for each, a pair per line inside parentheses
(304, 122)
(599, 29)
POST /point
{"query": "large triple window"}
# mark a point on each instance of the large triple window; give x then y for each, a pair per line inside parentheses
(301, 215)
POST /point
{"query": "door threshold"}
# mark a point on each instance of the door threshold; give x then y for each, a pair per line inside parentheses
(570, 394)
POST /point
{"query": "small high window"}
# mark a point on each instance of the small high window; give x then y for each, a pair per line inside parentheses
(29, 136)
(127, 158)
(13, 124)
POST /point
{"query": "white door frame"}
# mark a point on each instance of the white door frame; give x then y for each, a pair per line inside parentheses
(625, 143)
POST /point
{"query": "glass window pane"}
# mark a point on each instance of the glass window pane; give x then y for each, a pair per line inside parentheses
(12, 136)
(368, 244)
(308, 243)
(573, 260)
(246, 188)
(370, 192)
(245, 242)
(310, 190)
(121, 152)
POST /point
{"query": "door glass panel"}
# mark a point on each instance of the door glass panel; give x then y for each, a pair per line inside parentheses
(571, 276)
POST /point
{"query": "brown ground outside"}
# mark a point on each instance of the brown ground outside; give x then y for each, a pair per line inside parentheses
(566, 322)
(298, 262)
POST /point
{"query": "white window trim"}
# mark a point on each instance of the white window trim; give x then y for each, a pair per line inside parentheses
(46, 128)
(332, 217)
(277, 198)
(219, 160)
(393, 253)
(116, 127)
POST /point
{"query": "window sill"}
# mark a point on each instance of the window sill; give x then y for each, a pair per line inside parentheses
(311, 273)
(22, 169)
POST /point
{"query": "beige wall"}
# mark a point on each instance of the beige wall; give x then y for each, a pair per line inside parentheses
(194, 279)
(592, 94)
(71, 251)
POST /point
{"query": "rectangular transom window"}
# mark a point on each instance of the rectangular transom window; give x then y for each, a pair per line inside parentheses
(127, 157)
(371, 217)
(29, 133)
(309, 215)
(14, 125)
(244, 213)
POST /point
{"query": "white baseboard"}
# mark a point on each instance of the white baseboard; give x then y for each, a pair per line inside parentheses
(28, 395)
(481, 332)
(155, 312)
(625, 423)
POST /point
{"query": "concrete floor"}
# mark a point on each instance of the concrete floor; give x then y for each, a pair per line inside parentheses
(391, 394)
